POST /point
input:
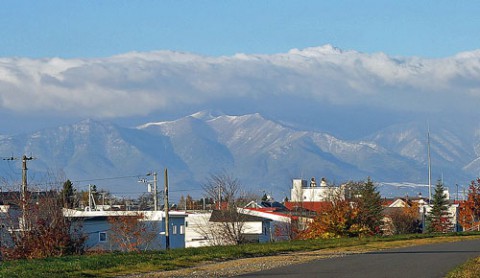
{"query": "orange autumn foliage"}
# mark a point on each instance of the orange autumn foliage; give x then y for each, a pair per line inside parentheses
(469, 210)
(337, 220)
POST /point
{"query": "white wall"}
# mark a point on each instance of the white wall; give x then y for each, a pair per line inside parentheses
(199, 229)
(195, 224)
(279, 227)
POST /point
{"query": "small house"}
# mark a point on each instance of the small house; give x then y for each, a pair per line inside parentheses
(121, 230)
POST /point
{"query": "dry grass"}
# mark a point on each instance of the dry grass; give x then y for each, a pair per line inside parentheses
(470, 269)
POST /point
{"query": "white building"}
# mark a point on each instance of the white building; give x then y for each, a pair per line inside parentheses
(202, 229)
(303, 191)
(280, 227)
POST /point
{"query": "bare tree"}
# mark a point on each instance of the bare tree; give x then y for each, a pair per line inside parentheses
(226, 225)
(224, 189)
(405, 220)
(211, 232)
(131, 232)
(288, 230)
(43, 231)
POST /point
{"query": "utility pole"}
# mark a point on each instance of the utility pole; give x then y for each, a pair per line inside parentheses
(155, 188)
(24, 189)
(91, 200)
(103, 199)
(456, 185)
(155, 192)
(219, 196)
(167, 233)
(90, 197)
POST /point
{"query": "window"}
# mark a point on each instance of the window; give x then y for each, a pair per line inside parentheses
(182, 229)
(102, 236)
(174, 229)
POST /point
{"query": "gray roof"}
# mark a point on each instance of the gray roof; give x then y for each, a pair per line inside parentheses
(234, 216)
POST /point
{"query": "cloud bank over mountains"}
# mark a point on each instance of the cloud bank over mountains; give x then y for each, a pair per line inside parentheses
(139, 84)
(324, 111)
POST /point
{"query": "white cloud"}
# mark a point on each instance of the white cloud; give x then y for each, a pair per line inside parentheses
(140, 83)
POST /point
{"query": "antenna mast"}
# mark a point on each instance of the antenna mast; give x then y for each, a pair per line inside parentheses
(429, 166)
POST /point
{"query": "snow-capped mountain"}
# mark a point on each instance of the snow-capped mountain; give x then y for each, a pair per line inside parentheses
(264, 154)
(90, 152)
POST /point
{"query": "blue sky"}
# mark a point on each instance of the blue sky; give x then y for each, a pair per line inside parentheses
(102, 60)
(82, 29)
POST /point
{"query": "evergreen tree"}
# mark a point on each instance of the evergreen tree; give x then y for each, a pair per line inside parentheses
(68, 194)
(438, 219)
(369, 204)
(264, 197)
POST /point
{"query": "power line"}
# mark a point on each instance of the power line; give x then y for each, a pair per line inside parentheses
(107, 178)
(185, 190)
(36, 184)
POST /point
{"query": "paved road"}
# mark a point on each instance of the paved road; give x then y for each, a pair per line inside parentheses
(434, 260)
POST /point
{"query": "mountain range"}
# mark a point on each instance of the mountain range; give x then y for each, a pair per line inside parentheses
(264, 154)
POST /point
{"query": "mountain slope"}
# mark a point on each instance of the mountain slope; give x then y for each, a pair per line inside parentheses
(195, 143)
(264, 154)
(450, 153)
(91, 150)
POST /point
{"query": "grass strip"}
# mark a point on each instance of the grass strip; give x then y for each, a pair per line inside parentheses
(114, 264)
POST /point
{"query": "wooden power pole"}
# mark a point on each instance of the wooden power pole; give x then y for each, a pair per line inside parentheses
(24, 189)
(167, 232)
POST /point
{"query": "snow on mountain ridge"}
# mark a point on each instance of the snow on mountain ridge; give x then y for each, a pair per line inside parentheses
(252, 131)
(257, 150)
(207, 115)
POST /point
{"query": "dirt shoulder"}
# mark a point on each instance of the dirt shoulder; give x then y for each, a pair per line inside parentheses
(247, 265)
